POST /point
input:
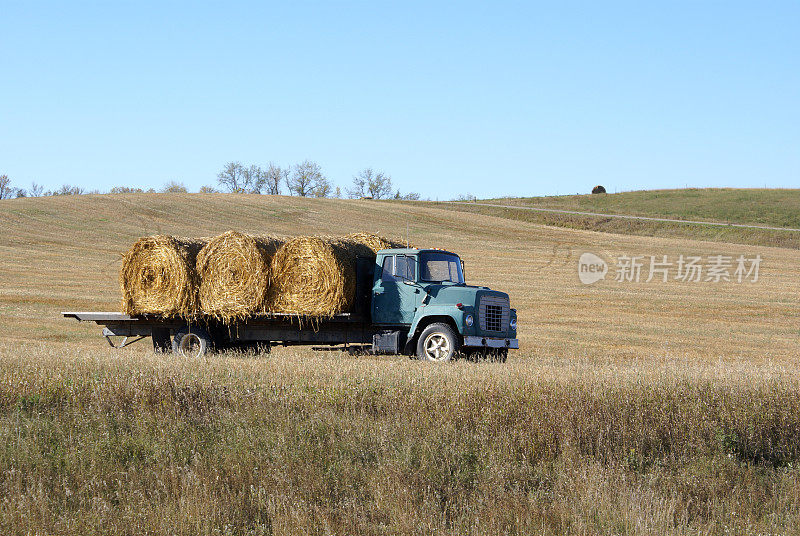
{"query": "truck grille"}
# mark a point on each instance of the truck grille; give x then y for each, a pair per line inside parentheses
(494, 312)
(494, 317)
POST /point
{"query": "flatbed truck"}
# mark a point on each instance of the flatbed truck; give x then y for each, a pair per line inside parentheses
(408, 301)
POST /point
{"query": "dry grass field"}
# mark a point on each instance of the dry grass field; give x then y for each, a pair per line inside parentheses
(632, 408)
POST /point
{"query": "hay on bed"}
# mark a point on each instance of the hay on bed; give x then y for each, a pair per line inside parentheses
(158, 276)
(234, 272)
(315, 276)
(374, 242)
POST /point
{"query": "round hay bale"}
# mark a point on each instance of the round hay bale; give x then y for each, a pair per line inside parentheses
(234, 272)
(158, 276)
(315, 276)
(373, 241)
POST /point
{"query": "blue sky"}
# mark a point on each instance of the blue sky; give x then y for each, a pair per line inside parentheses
(482, 98)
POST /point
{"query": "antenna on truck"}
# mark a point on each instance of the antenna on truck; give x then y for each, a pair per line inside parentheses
(407, 242)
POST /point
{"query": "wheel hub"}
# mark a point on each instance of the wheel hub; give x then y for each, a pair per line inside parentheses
(437, 347)
(191, 345)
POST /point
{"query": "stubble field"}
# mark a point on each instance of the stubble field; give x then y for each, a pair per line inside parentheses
(632, 408)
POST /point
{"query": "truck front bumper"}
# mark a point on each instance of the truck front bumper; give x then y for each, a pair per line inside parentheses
(490, 342)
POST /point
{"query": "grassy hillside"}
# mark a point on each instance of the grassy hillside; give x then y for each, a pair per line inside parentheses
(772, 208)
(768, 207)
(634, 408)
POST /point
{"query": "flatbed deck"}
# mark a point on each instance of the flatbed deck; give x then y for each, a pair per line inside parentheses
(264, 328)
(101, 316)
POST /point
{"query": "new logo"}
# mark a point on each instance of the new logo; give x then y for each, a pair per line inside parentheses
(591, 268)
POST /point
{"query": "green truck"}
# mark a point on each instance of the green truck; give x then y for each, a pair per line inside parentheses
(408, 301)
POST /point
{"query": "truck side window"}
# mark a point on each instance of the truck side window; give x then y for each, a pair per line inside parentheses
(404, 267)
(387, 271)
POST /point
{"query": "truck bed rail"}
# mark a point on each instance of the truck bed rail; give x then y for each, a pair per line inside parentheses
(100, 317)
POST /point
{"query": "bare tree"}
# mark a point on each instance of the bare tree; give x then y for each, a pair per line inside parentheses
(323, 188)
(6, 191)
(376, 184)
(274, 176)
(208, 190)
(232, 177)
(359, 188)
(173, 187)
(410, 196)
(254, 180)
(306, 179)
(125, 190)
(380, 186)
(66, 189)
(36, 190)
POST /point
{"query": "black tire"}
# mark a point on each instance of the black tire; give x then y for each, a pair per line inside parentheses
(192, 342)
(162, 342)
(437, 343)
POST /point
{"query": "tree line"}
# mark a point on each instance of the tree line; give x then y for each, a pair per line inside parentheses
(8, 191)
(305, 179)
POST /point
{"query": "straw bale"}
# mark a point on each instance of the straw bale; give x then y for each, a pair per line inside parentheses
(158, 276)
(234, 271)
(374, 242)
(315, 275)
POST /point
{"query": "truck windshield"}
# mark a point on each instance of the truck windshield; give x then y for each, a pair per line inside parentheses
(436, 267)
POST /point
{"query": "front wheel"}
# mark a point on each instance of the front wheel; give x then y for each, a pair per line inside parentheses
(191, 342)
(438, 342)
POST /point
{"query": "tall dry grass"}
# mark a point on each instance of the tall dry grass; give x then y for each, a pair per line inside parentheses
(133, 443)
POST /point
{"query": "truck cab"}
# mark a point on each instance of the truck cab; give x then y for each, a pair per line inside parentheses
(424, 308)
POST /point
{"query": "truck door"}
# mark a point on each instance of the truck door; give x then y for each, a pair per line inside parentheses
(393, 300)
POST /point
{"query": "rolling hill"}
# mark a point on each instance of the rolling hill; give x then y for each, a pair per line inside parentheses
(769, 207)
(755, 207)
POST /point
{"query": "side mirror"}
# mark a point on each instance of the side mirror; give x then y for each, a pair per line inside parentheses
(463, 272)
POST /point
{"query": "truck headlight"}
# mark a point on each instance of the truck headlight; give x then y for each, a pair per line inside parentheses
(469, 320)
(513, 323)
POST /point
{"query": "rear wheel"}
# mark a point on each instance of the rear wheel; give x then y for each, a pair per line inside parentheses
(192, 342)
(437, 342)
